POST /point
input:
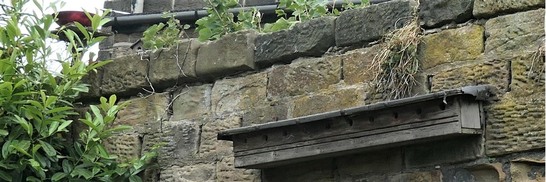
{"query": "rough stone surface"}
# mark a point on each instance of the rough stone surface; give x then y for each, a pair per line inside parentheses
(175, 65)
(515, 124)
(189, 4)
(124, 76)
(94, 80)
(528, 171)
(426, 176)
(158, 6)
(461, 44)
(488, 8)
(370, 23)
(442, 152)
(191, 102)
(120, 5)
(457, 175)
(355, 166)
(494, 73)
(127, 38)
(488, 172)
(318, 170)
(225, 171)
(515, 34)
(434, 13)
(329, 100)
(144, 114)
(274, 112)
(211, 148)
(125, 146)
(356, 65)
(204, 172)
(238, 94)
(309, 38)
(181, 141)
(303, 76)
(231, 54)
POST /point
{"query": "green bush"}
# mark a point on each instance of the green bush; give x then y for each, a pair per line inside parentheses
(36, 107)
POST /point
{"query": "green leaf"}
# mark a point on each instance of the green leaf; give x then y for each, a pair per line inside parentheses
(3, 133)
(67, 166)
(53, 127)
(50, 151)
(58, 176)
(5, 176)
(64, 125)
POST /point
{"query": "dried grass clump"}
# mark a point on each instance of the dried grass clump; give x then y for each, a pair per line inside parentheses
(536, 70)
(396, 65)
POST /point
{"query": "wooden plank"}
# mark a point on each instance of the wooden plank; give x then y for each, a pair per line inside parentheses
(349, 136)
(414, 113)
(470, 113)
(339, 147)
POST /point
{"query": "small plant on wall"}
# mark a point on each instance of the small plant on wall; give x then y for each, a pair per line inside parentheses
(396, 65)
(36, 106)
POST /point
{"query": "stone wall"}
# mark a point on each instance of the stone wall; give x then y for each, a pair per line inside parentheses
(182, 96)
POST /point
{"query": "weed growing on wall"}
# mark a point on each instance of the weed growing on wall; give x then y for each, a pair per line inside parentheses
(220, 21)
(36, 106)
(163, 35)
(396, 65)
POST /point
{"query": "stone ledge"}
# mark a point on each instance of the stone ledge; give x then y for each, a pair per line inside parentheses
(309, 38)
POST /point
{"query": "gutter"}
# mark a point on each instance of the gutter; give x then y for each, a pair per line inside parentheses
(139, 19)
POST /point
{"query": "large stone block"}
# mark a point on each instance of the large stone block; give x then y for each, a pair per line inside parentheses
(514, 34)
(212, 149)
(191, 102)
(356, 65)
(124, 76)
(422, 176)
(94, 79)
(494, 73)
(435, 13)
(442, 152)
(144, 114)
(515, 124)
(225, 171)
(273, 112)
(453, 45)
(316, 171)
(119, 5)
(189, 4)
(309, 38)
(125, 146)
(205, 172)
(488, 8)
(357, 165)
(303, 76)
(328, 100)
(181, 142)
(527, 170)
(230, 54)
(158, 6)
(238, 94)
(176, 65)
(369, 24)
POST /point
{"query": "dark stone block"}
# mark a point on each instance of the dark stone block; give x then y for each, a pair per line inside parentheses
(119, 5)
(189, 4)
(369, 24)
(158, 6)
(435, 13)
(310, 38)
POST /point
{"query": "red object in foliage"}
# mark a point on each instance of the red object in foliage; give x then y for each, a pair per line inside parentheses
(66, 17)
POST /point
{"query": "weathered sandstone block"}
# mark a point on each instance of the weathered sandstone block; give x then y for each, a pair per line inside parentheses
(370, 23)
(309, 38)
(435, 13)
(303, 76)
